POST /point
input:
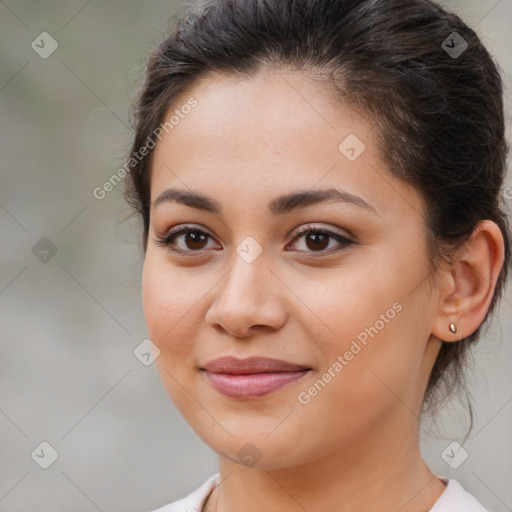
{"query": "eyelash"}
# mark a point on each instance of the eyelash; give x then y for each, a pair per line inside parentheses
(167, 239)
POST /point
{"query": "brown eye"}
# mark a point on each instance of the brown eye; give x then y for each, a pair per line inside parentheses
(190, 239)
(317, 239)
(193, 239)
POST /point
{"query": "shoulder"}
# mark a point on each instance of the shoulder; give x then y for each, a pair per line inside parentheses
(456, 499)
(194, 501)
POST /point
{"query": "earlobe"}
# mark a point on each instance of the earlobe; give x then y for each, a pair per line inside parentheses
(473, 276)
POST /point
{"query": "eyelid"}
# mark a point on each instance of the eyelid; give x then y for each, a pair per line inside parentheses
(181, 229)
(306, 228)
(177, 231)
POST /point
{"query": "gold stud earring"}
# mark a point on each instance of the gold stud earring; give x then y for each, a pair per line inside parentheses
(453, 328)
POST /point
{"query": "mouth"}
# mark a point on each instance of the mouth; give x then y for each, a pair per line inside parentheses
(252, 377)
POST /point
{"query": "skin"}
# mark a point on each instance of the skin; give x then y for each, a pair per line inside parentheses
(354, 446)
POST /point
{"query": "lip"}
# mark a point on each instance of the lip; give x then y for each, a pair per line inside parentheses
(254, 364)
(251, 377)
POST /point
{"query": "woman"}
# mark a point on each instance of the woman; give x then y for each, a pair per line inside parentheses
(319, 183)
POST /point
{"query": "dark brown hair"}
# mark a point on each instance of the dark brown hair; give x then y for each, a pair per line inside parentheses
(440, 116)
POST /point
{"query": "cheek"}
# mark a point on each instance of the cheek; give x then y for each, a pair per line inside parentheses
(168, 304)
(168, 312)
(375, 325)
(346, 303)
(373, 378)
(155, 302)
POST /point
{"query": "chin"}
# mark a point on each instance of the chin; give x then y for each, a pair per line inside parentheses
(255, 447)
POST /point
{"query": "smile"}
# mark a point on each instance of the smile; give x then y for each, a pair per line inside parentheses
(252, 385)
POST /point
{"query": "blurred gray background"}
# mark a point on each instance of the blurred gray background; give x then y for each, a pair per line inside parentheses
(71, 319)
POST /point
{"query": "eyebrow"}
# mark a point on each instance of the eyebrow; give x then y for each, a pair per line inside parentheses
(278, 206)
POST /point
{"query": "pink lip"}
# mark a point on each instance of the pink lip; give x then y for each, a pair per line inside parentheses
(251, 377)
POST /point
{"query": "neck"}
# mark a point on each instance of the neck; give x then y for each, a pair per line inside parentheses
(369, 474)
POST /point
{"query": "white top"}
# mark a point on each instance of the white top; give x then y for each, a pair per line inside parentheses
(454, 499)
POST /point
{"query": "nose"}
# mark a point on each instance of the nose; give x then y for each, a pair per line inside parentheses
(248, 300)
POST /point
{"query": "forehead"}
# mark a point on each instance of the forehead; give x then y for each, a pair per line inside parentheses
(266, 134)
(271, 100)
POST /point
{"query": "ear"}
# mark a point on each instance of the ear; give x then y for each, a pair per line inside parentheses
(470, 282)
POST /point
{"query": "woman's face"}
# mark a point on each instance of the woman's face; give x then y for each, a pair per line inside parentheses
(357, 311)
